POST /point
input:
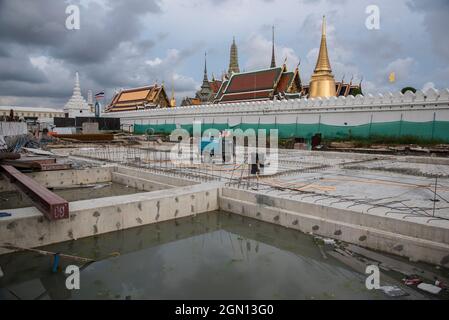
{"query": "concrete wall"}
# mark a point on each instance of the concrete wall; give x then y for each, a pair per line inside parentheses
(154, 177)
(64, 178)
(413, 240)
(28, 228)
(424, 115)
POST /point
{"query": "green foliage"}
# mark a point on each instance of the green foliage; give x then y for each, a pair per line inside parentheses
(404, 90)
(356, 91)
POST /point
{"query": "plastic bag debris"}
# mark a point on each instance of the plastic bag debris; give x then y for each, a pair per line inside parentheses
(429, 288)
(329, 242)
(393, 291)
(411, 281)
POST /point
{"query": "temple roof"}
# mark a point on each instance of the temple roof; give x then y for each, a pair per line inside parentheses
(190, 102)
(252, 81)
(137, 98)
(215, 85)
(285, 81)
(256, 85)
(220, 91)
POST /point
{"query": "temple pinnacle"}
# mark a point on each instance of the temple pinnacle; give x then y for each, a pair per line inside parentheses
(273, 59)
(322, 83)
(234, 60)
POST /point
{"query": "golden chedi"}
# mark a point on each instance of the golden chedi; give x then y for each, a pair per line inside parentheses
(322, 82)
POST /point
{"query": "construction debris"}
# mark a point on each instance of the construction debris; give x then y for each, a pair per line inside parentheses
(393, 291)
(16, 143)
(9, 156)
(396, 265)
(391, 286)
(412, 281)
(98, 137)
(325, 241)
(33, 163)
(429, 288)
(40, 152)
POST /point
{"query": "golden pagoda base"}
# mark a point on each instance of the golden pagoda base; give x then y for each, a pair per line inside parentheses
(322, 86)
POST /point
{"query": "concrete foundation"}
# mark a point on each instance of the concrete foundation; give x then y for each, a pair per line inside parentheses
(416, 241)
(28, 228)
(420, 238)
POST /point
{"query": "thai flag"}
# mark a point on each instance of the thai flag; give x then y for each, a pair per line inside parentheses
(99, 95)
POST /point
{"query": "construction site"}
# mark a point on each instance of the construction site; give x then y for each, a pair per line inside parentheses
(117, 205)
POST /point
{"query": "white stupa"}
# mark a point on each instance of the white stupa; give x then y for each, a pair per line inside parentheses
(77, 105)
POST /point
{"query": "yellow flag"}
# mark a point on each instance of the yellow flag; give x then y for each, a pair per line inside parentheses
(392, 77)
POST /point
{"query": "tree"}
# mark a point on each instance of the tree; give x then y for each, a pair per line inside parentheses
(356, 91)
(408, 89)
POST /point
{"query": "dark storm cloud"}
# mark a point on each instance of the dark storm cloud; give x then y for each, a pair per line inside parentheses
(46, 90)
(103, 30)
(39, 26)
(10, 70)
(107, 50)
(4, 53)
(32, 22)
(125, 43)
(436, 22)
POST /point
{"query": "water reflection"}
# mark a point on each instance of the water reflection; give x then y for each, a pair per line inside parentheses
(209, 256)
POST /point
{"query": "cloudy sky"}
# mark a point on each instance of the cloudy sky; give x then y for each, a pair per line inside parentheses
(128, 43)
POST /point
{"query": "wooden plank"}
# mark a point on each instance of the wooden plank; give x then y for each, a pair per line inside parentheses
(87, 137)
(54, 166)
(9, 155)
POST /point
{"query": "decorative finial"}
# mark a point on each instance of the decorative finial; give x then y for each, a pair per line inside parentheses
(205, 76)
(323, 31)
(273, 59)
(233, 61)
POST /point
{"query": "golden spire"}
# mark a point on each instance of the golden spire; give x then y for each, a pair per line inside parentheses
(322, 83)
(172, 100)
(234, 59)
(323, 63)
